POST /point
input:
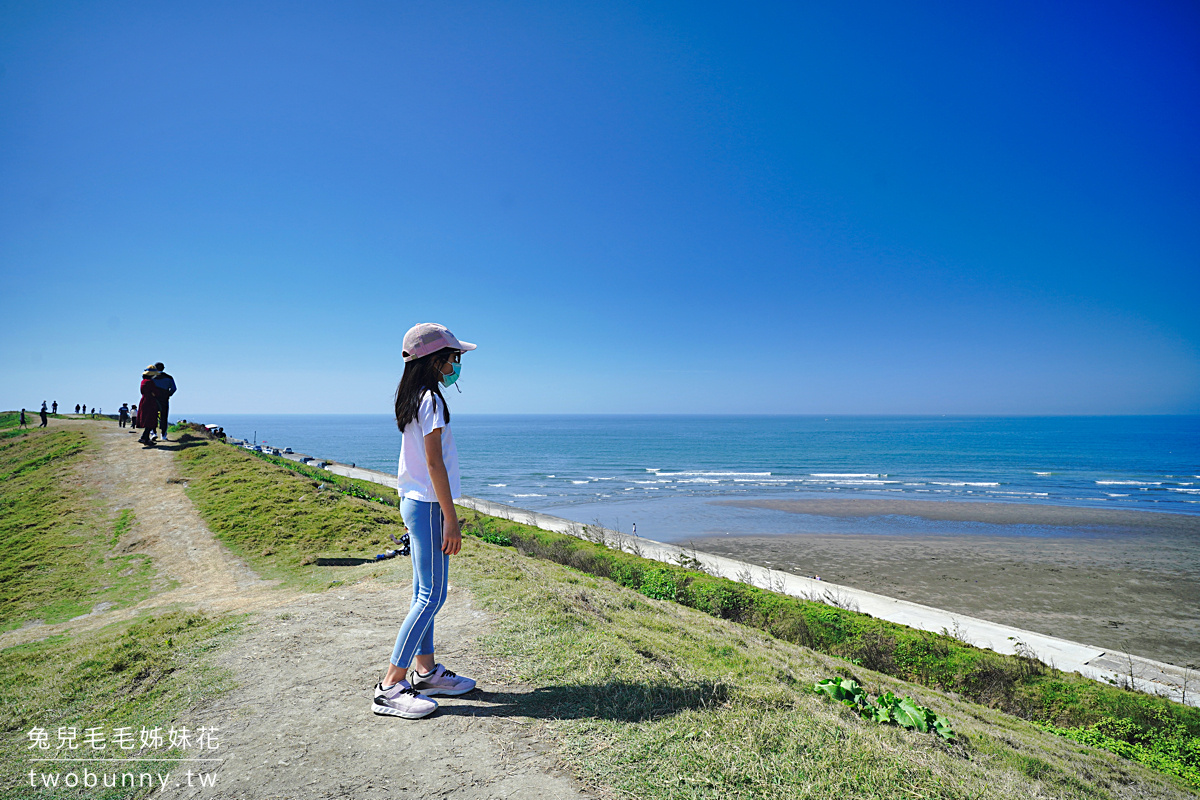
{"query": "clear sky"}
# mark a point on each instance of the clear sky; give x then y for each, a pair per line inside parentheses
(987, 208)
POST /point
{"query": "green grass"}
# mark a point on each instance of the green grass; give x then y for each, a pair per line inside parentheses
(55, 558)
(1154, 731)
(284, 523)
(122, 525)
(134, 674)
(661, 700)
(9, 422)
(55, 563)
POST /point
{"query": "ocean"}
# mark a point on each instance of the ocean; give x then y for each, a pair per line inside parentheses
(667, 474)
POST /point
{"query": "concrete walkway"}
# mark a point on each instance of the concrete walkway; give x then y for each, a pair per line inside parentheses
(1095, 662)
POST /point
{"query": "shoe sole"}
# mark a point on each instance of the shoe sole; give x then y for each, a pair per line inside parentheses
(444, 692)
(388, 711)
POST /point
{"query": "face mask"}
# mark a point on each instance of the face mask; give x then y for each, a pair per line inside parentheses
(448, 380)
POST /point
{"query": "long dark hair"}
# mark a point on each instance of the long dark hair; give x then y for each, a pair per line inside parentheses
(421, 375)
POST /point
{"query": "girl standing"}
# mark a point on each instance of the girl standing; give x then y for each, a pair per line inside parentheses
(428, 483)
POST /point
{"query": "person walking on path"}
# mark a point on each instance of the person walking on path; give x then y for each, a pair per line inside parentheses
(42, 414)
(23, 423)
(428, 482)
(77, 408)
(164, 387)
(148, 410)
(54, 407)
(122, 415)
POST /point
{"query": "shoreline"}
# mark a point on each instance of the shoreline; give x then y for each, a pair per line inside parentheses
(1114, 591)
(1101, 663)
(984, 511)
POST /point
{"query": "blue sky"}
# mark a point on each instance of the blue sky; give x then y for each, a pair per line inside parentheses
(686, 208)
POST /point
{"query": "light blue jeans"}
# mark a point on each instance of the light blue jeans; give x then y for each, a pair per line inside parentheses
(431, 570)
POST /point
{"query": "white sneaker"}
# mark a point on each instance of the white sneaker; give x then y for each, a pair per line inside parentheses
(442, 681)
(402, 700)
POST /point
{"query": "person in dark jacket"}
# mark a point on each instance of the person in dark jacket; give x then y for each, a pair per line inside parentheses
(23, 424)
(148, 408)
(164, 387)
(42, 414)
(54, 407)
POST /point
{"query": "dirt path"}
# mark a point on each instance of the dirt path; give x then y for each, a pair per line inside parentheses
(194, 569)
(299, 723)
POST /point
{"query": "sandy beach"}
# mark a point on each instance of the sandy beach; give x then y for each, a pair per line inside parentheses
(1115, 579)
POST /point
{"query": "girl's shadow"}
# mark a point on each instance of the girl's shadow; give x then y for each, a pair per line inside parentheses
(619, 701)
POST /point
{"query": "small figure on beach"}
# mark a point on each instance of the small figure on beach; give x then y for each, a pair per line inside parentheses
(133, 416)
(428, 482)
(23, 423)
(148, 410)
(164, 387)
(123, 415)
(54, 407)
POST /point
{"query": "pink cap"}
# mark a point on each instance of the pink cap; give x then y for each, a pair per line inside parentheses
(429, 337)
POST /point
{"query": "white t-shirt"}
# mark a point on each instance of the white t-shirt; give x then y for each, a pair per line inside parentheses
(413, 474)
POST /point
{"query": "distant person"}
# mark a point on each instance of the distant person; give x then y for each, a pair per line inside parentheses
(133, 416)
(93, 412)
(148, 410)
(123, 415)
(42, 414)
(164, 386)
(54, 408)
(77, 408)
(23, 423)
(428, 481)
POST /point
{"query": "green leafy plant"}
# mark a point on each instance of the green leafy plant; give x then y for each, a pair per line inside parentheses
(887, 709)
(478, 527)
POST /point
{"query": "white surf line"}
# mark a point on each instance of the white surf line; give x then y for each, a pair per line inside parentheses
(1098, 663)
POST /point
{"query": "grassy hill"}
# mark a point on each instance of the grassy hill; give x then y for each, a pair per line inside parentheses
(662, 700)
(649, 698)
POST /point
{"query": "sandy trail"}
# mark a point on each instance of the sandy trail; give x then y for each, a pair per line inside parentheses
(299, 722)
(194, 569)
(300, 725)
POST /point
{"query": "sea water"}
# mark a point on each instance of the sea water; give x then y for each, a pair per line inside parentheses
(665, 472)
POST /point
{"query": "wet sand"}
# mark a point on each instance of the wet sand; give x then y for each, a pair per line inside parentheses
(993, 513)
(1135, 587)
